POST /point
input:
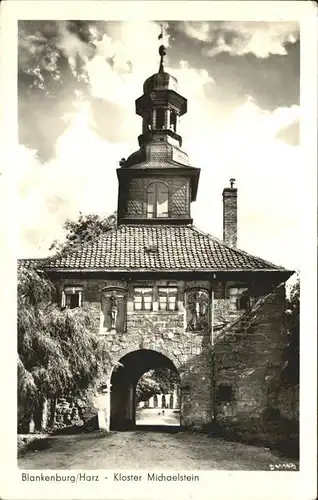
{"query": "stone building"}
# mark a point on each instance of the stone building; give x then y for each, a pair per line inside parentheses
(170, 401)
(168, 295)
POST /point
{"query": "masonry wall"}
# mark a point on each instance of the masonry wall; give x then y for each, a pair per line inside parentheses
(164, 332)
(249, 358)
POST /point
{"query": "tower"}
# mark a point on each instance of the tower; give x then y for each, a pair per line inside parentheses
(157, 183)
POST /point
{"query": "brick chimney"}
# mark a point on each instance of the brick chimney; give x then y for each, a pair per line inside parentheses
(230, 215)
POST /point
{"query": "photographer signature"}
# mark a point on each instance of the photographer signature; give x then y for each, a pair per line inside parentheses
(283, 466)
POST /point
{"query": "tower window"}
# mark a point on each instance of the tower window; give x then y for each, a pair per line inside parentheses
(173, 121)
(157, 200)
(160, 118)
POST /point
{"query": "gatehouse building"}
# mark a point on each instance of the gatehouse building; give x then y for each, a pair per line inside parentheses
(168, 295)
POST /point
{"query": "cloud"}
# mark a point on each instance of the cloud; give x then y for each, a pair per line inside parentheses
(270, 189)
(238, 38)
(290, 134)
(104, 128)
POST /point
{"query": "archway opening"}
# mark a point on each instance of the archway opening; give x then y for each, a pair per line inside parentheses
(157, 398)
(145, 392)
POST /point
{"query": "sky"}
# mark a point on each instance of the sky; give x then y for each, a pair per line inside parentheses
(241, 80)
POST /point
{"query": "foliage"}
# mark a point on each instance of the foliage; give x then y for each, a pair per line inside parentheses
(85, 229)
(157, 381)
(291, 371)
(57, 352)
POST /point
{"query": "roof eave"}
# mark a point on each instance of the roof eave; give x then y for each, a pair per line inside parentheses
(286, 272)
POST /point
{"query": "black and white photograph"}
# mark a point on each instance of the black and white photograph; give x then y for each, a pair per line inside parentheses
(159, 185)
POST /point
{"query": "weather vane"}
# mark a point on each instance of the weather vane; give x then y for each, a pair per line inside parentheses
(162, 50)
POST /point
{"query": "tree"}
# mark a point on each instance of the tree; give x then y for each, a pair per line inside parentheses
(83, 230)
(156, 381)
(58, 352)
(291, 370)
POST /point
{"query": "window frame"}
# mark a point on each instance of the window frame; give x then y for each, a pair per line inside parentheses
(143, 292)
(70, 290)
(155, 189)
(167, 292)
(234, 299)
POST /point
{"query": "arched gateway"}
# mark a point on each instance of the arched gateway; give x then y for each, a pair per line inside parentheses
(166, 294)
(123, 383)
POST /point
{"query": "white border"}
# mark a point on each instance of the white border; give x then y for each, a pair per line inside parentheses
(254, 485)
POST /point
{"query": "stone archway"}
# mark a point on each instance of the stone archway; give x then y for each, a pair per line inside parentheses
(124, 379)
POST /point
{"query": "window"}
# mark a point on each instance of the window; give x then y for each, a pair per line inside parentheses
(173, 121)
(72, 297)
(239, 299)
(143, 299)
(167, 299)
(160, 118)
(225, 394)
(157, 200)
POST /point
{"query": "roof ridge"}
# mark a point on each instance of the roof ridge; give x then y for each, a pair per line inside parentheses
(234, 249)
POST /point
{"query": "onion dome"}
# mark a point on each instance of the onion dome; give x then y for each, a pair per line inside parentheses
(160, 81)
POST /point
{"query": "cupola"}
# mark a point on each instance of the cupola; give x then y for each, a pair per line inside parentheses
(157, 183)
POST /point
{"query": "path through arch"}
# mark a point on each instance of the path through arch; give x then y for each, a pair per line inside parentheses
(124, 380)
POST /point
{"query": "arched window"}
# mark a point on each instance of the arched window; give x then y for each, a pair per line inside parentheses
(157, 200)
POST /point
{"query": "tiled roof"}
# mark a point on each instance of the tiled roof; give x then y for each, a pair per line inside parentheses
(157, 155)
(31, 263)
(156, 248)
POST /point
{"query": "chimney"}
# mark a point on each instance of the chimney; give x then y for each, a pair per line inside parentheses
(230, 215)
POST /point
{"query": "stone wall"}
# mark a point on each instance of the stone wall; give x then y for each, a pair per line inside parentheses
(248, 361)
(164, 332)
(248, 355)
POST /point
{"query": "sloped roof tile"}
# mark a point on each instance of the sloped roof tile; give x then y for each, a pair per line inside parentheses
(156, 248)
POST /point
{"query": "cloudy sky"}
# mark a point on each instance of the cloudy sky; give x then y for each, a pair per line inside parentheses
(241, 80)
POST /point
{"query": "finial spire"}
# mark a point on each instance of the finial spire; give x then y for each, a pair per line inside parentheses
(162, 50)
